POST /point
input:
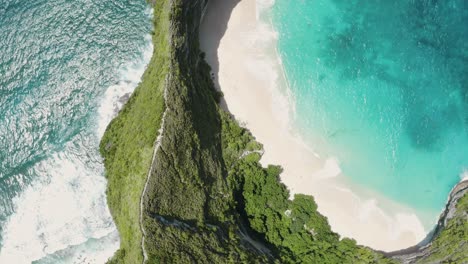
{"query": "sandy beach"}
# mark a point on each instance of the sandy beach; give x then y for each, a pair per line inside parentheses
(241, 49)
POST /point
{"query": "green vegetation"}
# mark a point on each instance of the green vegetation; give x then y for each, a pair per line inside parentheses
(294, 230)
(127, 145)
(189, 214)
(208, 198)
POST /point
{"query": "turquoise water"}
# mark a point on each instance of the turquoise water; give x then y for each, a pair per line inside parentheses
(383, 87)
(63, 65)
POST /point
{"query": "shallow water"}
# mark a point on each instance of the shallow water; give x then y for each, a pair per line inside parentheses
(64, 66)
(382, 87)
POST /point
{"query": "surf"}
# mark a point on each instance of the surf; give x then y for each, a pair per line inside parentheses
(55, 106)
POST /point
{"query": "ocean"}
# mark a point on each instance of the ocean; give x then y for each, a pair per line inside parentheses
(382, 87)
(66, 67)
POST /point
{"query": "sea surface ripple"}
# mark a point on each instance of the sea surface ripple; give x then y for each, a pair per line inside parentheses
(65, 69)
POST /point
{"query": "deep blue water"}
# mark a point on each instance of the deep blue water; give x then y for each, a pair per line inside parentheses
(383, 87)
(63, 66)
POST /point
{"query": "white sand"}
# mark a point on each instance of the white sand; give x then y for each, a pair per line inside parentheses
(241, 50)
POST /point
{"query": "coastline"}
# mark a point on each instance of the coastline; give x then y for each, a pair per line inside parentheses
(242, 52)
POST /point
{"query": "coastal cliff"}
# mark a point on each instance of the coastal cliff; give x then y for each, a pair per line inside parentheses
(167, 187)
(184, 180)
(449, 240)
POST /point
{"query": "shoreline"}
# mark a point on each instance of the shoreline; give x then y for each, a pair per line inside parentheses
(242, 52)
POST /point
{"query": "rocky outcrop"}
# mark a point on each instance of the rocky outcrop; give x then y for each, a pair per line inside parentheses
(425, 252)
(450, 209)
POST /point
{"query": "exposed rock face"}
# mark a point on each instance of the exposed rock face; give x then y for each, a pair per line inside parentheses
(426, 249)
(450, 209)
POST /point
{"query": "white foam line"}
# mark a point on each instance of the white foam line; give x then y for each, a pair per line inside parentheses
(52, 214)
(112, 101)
(464, 176)
(263, 6)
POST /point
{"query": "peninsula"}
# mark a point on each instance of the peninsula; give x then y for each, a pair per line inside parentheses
(185, 181)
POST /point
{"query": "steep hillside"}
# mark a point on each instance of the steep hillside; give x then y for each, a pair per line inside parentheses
(185, 182)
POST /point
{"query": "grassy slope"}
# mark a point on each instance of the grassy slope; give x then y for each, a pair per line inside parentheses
(127, 145)
(205, 187)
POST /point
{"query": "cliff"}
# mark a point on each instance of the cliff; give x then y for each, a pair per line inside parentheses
(184, 180)
(167, 187)
(449, 240)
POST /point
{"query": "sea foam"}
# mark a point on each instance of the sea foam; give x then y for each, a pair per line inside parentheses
(116, 95)
(63, 215)
(464, 175)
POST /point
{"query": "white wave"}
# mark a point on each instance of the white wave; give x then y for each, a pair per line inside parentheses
(65, 210)
(115, 96)
(263, 5)
(67, 206)
(92, 251)
(464, 176)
